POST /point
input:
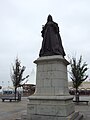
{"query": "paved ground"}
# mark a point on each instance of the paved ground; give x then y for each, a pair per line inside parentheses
(12, 110)
(83, 108)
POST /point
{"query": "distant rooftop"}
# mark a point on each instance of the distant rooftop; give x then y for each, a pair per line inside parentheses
(85, 85)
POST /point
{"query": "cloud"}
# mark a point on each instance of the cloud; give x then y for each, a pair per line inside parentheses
(21, 23)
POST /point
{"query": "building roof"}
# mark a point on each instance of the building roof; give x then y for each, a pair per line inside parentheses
(84, 85)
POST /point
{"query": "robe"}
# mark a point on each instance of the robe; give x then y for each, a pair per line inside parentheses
(52, 43)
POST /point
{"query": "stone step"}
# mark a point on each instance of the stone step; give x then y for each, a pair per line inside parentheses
(79, 117)
(75, 116)
(18, 119)
(24, 116)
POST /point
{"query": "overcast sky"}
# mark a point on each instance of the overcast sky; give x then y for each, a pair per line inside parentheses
(20, 31)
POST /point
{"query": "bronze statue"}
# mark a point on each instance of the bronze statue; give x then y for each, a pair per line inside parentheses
(52, 43)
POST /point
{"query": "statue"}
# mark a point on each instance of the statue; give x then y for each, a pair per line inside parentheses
(52, 43)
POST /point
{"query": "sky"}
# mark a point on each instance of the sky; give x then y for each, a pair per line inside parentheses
(20, 31)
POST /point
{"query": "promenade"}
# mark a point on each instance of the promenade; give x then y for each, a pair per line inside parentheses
(12, 110)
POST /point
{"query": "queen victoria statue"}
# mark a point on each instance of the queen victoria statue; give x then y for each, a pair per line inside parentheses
(52, 43)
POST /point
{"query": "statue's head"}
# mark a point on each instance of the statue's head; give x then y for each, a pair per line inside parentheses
(49, 18)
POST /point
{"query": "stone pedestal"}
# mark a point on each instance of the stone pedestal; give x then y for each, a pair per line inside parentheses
(51, 76)
(51, 100)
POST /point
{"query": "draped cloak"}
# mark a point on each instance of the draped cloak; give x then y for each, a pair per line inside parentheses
(52, 43)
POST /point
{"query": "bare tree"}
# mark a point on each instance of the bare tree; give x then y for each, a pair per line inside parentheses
(17, 75)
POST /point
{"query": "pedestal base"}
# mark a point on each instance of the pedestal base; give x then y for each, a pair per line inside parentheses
(51, 108)
(73, 116)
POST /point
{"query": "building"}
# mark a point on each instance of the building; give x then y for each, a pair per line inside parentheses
(84, 88)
